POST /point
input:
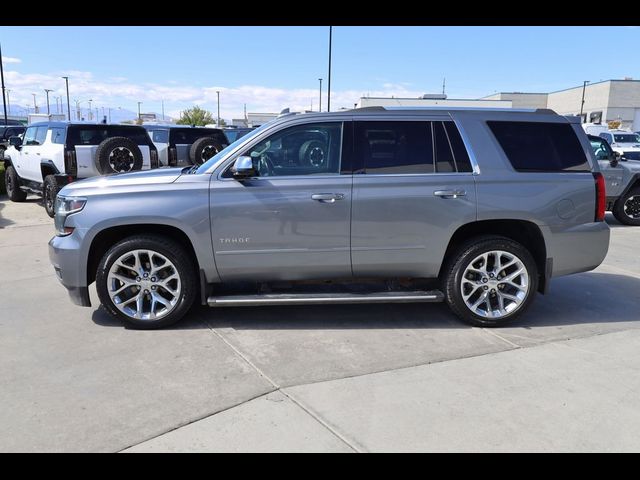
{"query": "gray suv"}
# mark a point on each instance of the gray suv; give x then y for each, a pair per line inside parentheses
(478, 208)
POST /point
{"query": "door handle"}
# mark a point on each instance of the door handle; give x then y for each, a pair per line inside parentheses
(327, 197)
(450, 193)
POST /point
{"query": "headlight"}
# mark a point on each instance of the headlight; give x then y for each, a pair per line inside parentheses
(66, 206)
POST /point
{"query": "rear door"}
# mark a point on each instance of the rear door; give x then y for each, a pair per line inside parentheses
(413, 187)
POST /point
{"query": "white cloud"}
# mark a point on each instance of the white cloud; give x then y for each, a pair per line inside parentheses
(11, 60)
(121, 92)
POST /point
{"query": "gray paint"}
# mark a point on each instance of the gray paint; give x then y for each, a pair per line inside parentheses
(385, 225)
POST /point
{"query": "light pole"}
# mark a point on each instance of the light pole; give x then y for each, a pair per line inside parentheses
(584, 86)
(218, 93)
(139, 117)
(90, 112)
(329, 78)
(162, 109)
(35, 105)
(320, 102)
(8, 102)
(46, 91)
(66, 79)
(57, 106)
(4, 105)
(78, 113)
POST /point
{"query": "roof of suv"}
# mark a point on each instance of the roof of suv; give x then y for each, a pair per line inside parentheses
(81, 124)
(169, 127)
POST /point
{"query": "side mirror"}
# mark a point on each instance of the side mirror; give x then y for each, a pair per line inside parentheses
(614, 161)
(243, 168)
(15, 142)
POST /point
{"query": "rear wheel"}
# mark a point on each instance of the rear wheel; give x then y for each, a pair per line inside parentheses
(12, 184)
(147, 281)
(49, 191)
(627, 208)
(490, 281)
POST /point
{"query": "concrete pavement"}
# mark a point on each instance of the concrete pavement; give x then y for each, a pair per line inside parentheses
(327, 378)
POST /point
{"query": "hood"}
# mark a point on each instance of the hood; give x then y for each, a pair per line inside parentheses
(157, 176)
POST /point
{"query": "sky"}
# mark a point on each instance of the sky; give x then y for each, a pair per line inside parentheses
(271, 68)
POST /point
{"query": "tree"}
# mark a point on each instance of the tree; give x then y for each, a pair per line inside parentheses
(195, 116)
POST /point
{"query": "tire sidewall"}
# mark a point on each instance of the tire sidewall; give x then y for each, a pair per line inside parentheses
(195, 152)
(169, 249)
(618, 210)
(15, 194)
(108, 145)
(470, 252)
(50, 188)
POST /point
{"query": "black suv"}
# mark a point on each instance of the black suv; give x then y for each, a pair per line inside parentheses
(6, 132)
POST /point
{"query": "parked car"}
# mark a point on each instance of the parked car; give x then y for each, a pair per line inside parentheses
(53, 154)
(624, 142)
(7, 132)
(622, 182)
(184, 145)
(234, 134)
(479, 208)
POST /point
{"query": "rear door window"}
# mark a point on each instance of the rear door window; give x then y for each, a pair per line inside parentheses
(95, 134)
(540, 146)
(57, 135)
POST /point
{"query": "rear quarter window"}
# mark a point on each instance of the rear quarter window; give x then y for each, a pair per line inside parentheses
(540, 146)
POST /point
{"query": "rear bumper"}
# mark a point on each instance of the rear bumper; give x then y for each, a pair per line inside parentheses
(64, 256)
(579, 248)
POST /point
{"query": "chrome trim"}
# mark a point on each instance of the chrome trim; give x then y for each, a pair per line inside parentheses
(467, 145)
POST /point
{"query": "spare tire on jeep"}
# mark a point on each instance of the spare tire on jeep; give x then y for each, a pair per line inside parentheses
(118, 155)
(203, 149)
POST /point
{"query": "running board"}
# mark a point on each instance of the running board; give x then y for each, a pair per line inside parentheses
(324, 298)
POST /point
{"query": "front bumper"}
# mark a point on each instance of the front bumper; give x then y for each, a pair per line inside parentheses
(65, 258)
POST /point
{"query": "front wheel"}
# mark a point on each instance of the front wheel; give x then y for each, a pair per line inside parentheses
(627, 208)
(12, 184)
(490, 281)
(148, 281)
(49, 192)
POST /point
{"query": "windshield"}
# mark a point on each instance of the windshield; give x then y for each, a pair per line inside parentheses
(626, 138)
(223, 153)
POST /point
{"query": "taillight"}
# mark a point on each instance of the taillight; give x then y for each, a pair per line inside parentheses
(601, 196)
(173, 156)
(154, 158)
(70, 163)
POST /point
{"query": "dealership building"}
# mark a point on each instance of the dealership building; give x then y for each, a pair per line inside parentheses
(604, 101)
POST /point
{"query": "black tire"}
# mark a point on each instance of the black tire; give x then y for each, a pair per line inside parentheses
(203, 149)
(49, 191)
(12, 185)
(459, 261)
(118, 155)
(313, 153)
(627, 208)
(177, 255)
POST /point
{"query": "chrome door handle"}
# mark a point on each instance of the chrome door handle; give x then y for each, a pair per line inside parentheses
(327, 197)
(450, 193)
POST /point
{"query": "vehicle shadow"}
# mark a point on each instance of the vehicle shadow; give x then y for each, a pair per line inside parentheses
(588, 298)
(4, 222)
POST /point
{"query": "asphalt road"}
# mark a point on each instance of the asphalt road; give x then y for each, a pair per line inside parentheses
(324, 378)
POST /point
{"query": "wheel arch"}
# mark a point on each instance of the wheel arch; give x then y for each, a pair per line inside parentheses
(47, 167)
(108, 237)
(524, 232)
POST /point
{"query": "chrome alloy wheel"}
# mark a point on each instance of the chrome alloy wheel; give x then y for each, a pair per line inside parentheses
(495, 284)
(144, 284)
(121, 160)
(631, 207)
(208, 152)
(316, 157)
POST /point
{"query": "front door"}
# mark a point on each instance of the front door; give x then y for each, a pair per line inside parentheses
(292, 220)
(413, 189)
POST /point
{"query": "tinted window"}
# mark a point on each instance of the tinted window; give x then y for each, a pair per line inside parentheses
(95, 134)
(540, 147)
(460, 155)
(159, 136)
(444, 154)
(632, 155)
(41, 135)
(30, 136)
(190, 135)
(57, 135)
(311, 149)
(394, 147)
(626, 138)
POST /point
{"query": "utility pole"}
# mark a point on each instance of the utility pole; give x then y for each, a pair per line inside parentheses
(35, 106)
(246, 120)
(443, 84)
(90, 113)
(218, 93)
(163, 109)
(66, 79)
(4, 104)
(139, 117)
(8, 102)
(329, 79)
(46, 90)
(584, 86)
(320, 102)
